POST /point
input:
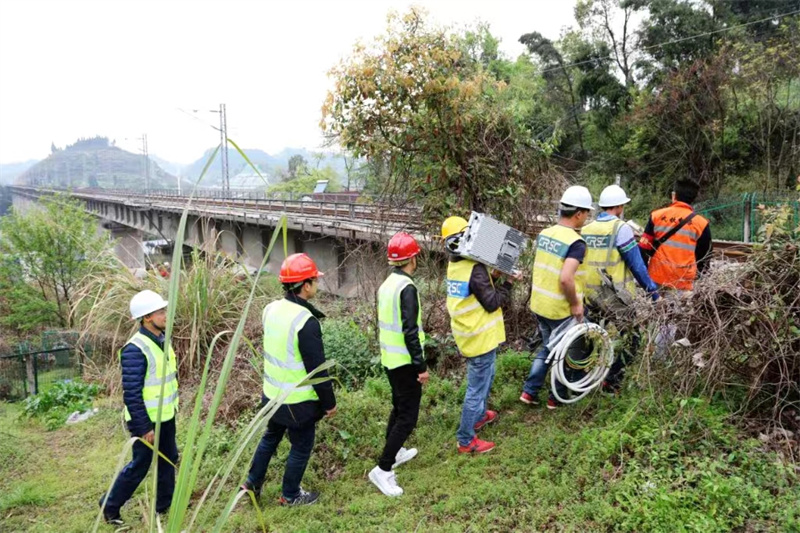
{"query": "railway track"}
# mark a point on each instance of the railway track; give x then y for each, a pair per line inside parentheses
(408, 217)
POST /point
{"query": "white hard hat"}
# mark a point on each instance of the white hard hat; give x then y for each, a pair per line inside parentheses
(612, 196)
(577, 196)
(146, 302)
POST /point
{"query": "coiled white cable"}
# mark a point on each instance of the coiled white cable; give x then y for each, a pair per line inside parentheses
(600, 368)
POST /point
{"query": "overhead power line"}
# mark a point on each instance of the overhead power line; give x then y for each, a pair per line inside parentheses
(675, 41)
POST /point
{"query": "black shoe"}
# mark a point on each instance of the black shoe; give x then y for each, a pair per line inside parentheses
(247, 486)
(114, 519)
(304, 498)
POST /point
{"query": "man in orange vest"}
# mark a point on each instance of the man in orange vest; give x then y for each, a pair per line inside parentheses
(676, 242)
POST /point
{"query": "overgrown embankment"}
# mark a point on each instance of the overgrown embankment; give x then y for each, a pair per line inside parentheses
(643, 462)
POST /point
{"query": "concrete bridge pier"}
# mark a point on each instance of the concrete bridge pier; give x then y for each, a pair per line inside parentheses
(128, 245)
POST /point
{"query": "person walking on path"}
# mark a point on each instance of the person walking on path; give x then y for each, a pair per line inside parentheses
(676, 243)
(612, 251)
(557, 288)
(293, 349)
(146, 368)
(474, 302)
(402, 355)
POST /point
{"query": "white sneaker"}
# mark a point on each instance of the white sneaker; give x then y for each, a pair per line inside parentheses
(404, 456)
(385, 481)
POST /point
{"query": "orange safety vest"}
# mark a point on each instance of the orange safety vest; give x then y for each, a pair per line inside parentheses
(674, 264)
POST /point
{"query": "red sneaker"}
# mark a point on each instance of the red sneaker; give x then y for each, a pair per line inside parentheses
(552, 404)
(528, 399)
(476, 446)
(488, 418)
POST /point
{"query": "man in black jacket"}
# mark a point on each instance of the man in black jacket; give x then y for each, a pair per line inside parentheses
(401, 341)
(292, 325)
(144, 367)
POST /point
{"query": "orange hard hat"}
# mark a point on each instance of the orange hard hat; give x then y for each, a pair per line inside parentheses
(298, 267)
(402, 246)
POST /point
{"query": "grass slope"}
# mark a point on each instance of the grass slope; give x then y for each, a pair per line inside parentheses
(636, 463)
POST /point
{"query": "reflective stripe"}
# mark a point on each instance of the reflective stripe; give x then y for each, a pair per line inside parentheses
(548, 268)
(390, 327)
(149, 404)
(286, 386)
(468, 309)
(478, 331)
(681, 245)
(685, 232)
(157, 381)
(402, 350)
(602, 264)
(151, 358)
(289, 365)
(290, 355)
(395, 307)
(548, 293)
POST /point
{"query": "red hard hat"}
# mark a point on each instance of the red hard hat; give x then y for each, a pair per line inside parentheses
(402, 246)
(298, 267)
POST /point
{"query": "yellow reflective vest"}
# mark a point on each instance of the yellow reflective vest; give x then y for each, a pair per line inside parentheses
(476, 332)
(160, 370)
(602, 254)
(283, 364)
(394, 352)
(547, 299)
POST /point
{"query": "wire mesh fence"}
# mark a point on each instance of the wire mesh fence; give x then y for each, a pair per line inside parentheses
(739, 218)
(35, 366)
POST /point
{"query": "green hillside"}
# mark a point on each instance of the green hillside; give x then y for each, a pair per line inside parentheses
(95, 163)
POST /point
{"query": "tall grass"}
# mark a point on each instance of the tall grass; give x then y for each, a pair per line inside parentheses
(201, 296)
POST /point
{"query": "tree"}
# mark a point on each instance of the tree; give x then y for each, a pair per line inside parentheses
(49, 252)
(597, 18)
(297, 166)
(443, 126)
(558, 75)
(305, 184)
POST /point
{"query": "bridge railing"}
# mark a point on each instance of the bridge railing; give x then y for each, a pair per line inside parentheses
(400, 211)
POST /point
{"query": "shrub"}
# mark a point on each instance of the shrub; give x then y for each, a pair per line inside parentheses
(64, 397)
(353, 348)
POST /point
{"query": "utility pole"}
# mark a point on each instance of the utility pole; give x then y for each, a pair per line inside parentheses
(223, 141)
(146, 162)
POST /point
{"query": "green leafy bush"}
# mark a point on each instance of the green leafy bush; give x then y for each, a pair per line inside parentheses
(353, 349)
(64, 397)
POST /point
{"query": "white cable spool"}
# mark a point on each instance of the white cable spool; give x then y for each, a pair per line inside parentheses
(595, 377)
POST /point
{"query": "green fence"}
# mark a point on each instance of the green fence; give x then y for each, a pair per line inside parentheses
(739, 218)
(34, 367)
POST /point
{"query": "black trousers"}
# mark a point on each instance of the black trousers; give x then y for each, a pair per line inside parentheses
(302, 440)
(406, 396)
(617, 372)
(134, 472)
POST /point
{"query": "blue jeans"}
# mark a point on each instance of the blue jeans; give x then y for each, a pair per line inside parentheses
(480, 375)
(302, 440)
(135, 471)
(539, 367)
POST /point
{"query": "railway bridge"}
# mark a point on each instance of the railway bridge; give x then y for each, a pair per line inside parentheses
(241, 225)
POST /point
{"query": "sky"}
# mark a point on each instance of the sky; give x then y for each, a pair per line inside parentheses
(120, 68)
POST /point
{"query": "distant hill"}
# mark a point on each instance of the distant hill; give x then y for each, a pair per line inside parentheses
(95, 163)
(270, 163)
(10, 171)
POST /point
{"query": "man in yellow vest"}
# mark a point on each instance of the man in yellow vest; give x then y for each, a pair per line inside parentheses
(611, 248)
(402, 355)
(557, 287)
(292, 350)
(474, 302)
(149, 391)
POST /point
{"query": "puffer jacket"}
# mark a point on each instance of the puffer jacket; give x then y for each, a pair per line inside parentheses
(134, 370)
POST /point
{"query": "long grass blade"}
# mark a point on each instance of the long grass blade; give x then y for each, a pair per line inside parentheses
(120, 465)
(244, 155)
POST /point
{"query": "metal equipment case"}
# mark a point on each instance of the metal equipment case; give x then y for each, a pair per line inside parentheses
(492, 243)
